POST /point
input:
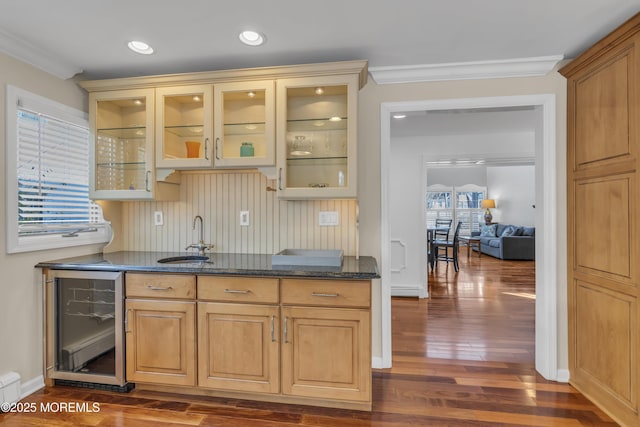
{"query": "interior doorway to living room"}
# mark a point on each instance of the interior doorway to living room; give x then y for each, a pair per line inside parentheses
(545, 164)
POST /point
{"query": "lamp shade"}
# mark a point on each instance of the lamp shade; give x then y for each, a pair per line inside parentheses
(488, 203)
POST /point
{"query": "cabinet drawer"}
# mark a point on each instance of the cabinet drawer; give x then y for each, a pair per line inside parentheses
(160, 285)
(241, 289)
(333, 293)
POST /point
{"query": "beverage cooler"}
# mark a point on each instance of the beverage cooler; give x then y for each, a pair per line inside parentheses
(84, 327)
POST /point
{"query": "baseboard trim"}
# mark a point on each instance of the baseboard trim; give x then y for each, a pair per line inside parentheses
(405, 290)
(377, 363)
(31, 386)
(563, 376)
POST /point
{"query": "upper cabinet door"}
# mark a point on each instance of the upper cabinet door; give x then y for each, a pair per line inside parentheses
(121, 124)
(244, 124)
(184, 127)
(317, 137)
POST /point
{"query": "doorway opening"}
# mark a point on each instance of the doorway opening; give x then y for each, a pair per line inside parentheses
(546, 180)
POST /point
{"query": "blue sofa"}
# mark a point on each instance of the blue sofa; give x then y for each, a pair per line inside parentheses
(506, 241)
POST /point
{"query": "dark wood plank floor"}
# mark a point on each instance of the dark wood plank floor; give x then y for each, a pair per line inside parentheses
(462, 358)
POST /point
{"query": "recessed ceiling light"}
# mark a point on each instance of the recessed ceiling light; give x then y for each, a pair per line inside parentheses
(138, 101)
(335, 119)
(140, 47)
(251, 94)
(196, 98)
(399, 116)
(319, 91)
(251, 38)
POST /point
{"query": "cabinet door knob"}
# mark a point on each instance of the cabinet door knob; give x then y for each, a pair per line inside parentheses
(286, 339)
(273, 328)
(216, 148)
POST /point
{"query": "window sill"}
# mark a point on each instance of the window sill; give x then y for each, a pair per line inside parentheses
(104, 234)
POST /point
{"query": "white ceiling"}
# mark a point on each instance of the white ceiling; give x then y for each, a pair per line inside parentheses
(198, 35)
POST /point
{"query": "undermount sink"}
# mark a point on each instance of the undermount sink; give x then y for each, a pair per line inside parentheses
(308, 257)
(183, 259)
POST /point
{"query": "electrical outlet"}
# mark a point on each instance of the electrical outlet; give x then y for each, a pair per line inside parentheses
(244, 218)
(328, 218)
(158, 218)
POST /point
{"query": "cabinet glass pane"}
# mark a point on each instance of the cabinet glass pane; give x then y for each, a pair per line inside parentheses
(244, 124)
(317, 125)
(121, 144)
(183, 127)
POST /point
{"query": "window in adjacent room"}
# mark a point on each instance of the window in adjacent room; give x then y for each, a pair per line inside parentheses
(458, 204)
(48, 203)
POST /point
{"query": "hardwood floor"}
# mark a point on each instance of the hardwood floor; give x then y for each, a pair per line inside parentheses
(462, 358)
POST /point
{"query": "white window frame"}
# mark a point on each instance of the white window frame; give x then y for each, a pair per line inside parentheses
(454, 211)
(16, 243)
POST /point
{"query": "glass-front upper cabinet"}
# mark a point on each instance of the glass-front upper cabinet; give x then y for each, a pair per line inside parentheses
(317, 137)
(244, 124)
(122, 153)
(184, 127)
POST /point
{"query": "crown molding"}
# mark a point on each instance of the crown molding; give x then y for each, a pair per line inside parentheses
(26, 52)
(522, 67)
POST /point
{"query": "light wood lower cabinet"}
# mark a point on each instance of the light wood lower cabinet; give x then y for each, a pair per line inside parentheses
(161, 342)
(325, 353)
(238, 347)
(160, 333)
(305, 341)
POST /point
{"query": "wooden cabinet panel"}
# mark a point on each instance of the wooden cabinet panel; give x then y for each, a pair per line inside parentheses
(332, 293)
(238, 347)
(180, 286)
(160, 339)
(605, 320)
(602, 225)
(326, 353)
(602, 112)
(259, 290)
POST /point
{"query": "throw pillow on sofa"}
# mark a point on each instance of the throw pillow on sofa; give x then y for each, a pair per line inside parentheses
(488, 230)
(510, 230)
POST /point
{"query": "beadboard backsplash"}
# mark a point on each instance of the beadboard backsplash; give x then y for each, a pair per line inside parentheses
(219, 197)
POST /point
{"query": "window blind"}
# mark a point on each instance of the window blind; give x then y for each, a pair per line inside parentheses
(52, 175)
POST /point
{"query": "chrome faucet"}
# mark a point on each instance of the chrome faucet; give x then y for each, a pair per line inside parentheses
(201, 245)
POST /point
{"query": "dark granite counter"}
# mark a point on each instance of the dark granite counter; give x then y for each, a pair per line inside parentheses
(218, 263)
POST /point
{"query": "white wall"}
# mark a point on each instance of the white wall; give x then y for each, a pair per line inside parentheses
(513, 188)
(457, 176)
(21, 287)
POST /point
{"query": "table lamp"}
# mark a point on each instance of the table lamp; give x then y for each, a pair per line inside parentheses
(486, 204)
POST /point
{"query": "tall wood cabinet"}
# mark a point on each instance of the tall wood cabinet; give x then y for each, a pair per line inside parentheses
(603, 222)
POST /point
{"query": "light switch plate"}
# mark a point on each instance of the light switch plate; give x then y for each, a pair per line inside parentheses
(244, 218)
(158, 218)
(328, 218)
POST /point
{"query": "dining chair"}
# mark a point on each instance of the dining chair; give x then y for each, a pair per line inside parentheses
(440, 236)
(445, 246)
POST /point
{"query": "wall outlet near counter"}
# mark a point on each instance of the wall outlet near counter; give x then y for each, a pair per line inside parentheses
(158, 218)
(328, 218)
(244, 218)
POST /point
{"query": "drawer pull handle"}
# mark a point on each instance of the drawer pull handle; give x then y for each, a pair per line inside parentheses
(159, 288)
(234, 291)
(286, 339)
(273, 328)
(318, 294)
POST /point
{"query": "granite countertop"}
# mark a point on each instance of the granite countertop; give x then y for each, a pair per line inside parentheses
(219, 263)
